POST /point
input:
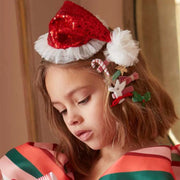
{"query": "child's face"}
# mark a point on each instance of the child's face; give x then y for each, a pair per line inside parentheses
(79, 96)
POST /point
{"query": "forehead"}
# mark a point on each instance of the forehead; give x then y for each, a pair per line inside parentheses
(70, 75)
(62, 80)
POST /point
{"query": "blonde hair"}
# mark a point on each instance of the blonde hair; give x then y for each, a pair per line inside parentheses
(135, 123)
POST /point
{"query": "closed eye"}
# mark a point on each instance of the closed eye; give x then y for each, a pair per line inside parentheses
(63, 112)
(85, 100)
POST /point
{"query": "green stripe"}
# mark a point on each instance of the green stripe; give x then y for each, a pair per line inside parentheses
(175, 157)
(23, 163)
(139, 175)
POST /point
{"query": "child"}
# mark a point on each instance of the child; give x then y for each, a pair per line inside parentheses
(105, 106)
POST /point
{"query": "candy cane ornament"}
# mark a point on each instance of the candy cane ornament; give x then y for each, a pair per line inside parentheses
(102, 65)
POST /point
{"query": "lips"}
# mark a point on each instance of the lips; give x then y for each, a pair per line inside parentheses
(84, 135)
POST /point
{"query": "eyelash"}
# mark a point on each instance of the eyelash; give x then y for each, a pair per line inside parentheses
(84, 101)
(63, 112)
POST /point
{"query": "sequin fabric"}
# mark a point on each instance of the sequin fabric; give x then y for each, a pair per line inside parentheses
(74, 26)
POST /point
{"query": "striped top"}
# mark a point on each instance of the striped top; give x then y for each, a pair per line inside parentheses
(160, 162)
(33, 161)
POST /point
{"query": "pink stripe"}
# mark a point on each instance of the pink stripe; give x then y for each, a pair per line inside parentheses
(12, 171)
(159, 151)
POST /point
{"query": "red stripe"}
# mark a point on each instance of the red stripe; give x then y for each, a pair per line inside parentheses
(175, 163)
(130, 163)
(42, 160)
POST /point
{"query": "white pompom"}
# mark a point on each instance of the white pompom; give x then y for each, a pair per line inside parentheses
(122, 49)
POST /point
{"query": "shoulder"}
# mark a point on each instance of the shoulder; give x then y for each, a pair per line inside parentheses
(160, 162)
(34, 160)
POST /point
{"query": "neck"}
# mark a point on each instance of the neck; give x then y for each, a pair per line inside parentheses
(111, 153)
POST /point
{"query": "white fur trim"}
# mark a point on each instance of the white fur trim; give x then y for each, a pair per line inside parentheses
(62, 56)
(122, 49)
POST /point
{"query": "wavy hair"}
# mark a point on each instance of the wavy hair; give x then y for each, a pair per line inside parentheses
(135, 123)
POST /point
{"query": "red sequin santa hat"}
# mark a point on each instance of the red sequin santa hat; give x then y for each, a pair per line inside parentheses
(75, 33)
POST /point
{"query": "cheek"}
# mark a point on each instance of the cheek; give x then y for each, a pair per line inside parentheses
(100, 107)
(99, 99)
(97, 112)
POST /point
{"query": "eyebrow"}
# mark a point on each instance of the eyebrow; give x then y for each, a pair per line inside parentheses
(70, 93)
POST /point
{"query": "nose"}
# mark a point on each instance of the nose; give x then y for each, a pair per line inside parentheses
(74, 118)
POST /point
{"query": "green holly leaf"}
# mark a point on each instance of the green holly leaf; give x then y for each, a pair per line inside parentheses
(136, 97)
(147, 96)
